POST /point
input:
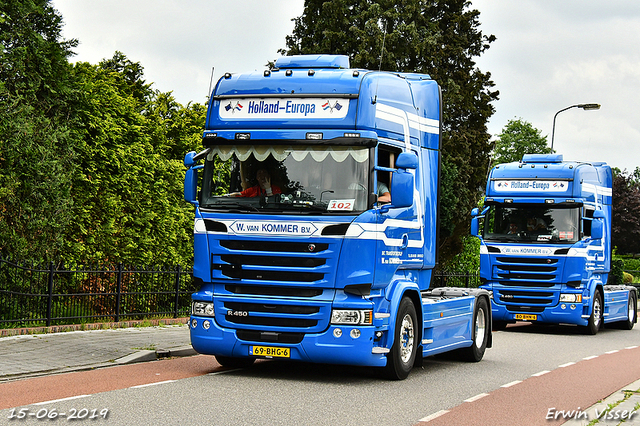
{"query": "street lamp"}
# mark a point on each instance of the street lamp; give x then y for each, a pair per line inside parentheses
(586, 107)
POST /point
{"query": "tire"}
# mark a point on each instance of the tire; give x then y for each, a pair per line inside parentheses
(480, 333)
(401, 358)
(596, 317)
(632, 311)
(232, 362)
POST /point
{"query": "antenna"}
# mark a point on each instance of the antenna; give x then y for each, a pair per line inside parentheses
(211, 81)
(384, 38)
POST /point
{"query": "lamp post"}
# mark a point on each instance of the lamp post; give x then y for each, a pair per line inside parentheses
(586, 107)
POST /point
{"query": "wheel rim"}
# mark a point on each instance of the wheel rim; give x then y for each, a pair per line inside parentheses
(406, 338)
(481, 324)
(596, 312)
(632, 309)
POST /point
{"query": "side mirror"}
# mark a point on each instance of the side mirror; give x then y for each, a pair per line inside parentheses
(402, 182)
(475, 225)
(401, 189)
(191, 185)
(189, 158)
(407, 160)
(597, 229)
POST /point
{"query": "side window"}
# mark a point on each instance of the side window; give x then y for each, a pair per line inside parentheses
(386, 158)
(586, 223)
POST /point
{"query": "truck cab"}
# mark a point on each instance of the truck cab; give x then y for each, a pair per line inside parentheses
(545, 250)
(294, 255)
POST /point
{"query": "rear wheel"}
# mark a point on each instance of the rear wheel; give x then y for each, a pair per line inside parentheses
(232, 362)
(632, 311)
(595, 319)
(401, 358)
(480, 333)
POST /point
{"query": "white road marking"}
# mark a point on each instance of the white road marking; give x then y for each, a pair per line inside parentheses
(477, 397)
(434, 416)
(152, 384)
(61, 399)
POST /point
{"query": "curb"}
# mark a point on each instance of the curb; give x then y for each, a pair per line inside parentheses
(148, 355)
(7, 332)
(136, 357)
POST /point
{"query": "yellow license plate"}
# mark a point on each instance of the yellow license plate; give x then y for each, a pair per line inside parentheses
(526, 317)
(270, 351)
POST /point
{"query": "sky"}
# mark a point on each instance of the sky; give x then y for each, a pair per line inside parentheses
(549, 55)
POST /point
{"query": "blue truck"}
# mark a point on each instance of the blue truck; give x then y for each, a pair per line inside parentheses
(295, 254)
(545, 252)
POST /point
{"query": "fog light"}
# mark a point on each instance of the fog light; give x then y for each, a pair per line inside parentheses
(337, 332)
(194, 323)
(573, 307)
(206, 325)
(563, 306)
(355, 333)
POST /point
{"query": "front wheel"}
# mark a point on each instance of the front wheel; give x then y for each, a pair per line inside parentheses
(595, 319)
(480, 333)
(402, 356)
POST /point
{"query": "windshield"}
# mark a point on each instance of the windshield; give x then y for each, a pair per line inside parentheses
(538, 224)
(286, 178)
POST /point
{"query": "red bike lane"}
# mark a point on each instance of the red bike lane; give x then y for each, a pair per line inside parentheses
(546, 397)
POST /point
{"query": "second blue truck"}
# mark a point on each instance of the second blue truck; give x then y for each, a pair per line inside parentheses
(545, 252)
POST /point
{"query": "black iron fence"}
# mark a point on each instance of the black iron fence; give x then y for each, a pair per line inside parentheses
(456, 279)
(32, 296)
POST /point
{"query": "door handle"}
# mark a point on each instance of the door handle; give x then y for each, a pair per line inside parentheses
(405, 241)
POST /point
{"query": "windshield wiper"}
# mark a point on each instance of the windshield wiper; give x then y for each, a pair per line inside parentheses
(506, 239)
(236, 205)
(308, 206)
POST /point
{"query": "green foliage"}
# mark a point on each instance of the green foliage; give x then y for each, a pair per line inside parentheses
(90, 155)
(519, 137)
(437, 37)
(468, 260)
(36, 147)
(616, 276)
(631, 263)
(129, 193)
(625, 225)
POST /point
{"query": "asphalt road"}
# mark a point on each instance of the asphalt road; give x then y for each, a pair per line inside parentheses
(197, 391)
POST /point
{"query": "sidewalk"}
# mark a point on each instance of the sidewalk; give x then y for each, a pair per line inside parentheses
(620, 408)
(31, 355)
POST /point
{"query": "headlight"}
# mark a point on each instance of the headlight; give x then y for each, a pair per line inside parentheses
(571, 298)
(351, 317)
(204, 309)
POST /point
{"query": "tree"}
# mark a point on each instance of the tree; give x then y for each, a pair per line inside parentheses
(90, 155)
(128, 195)
(519, 137)
(626, 212)
(437, 37)
(36, 147)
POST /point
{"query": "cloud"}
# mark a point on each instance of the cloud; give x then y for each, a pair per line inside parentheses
(548, 55)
